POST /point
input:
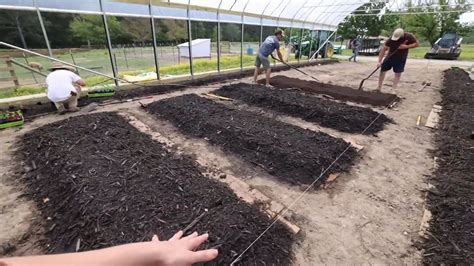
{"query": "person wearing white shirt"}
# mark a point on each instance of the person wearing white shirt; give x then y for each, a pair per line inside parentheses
(64, 87)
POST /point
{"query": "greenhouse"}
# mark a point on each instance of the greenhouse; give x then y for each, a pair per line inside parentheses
(236, 132)
(235, 27)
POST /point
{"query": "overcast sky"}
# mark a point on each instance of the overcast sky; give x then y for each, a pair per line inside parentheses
(467, 18)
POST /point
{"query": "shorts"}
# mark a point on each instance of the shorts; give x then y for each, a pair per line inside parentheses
(397, 64)
(263, 61)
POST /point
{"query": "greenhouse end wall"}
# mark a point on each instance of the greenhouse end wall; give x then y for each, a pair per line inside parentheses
(139, 38)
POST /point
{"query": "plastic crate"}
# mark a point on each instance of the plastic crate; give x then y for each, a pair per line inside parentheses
(103, 91)
(11, 119)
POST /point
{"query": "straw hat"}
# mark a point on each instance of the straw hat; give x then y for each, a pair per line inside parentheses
(58, 65)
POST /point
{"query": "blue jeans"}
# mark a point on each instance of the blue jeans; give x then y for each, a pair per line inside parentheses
(355, 53)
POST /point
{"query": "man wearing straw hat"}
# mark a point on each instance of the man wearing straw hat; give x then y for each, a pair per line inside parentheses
(64, 87)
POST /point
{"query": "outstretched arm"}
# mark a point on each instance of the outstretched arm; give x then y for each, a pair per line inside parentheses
(382, 54)
(81, 82)
(409, 46)
(280, 55)
(176, 251)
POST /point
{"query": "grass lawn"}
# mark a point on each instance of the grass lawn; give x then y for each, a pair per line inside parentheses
(199, 65)
(11, 92)
(467, 52)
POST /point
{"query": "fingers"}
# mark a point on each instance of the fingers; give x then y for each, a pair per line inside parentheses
(195, 242)
(191, 236)
(177, 236)
(203, 255)
(155, 239)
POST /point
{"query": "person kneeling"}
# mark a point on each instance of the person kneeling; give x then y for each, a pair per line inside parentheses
(64, 87)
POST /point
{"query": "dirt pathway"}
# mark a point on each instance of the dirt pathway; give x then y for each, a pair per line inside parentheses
(373, 214)
(370, 215)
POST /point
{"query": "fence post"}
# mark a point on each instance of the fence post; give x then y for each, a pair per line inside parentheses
(73, 61)
(12, 72)
(125, 56)
(28, 63)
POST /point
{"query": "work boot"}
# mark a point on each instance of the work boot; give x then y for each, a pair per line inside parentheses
(73, 109)
(61, 108)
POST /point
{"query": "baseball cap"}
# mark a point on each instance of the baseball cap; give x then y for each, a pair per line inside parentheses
(397, 34)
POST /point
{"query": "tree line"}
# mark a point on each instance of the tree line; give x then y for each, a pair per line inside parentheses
(22, 28)
(66, 30)
(432, 19)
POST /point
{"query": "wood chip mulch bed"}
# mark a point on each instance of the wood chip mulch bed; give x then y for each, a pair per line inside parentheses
(451, 230)
(290, 153)
(99, 182)
(327, 113)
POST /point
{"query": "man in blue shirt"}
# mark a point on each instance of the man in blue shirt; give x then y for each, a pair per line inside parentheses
(270, 44)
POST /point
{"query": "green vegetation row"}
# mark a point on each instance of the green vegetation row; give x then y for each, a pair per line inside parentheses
(427, 21)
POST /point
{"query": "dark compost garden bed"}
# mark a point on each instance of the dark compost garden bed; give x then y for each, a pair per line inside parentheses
(337, 92)
(340, 116)
(100, 182)
(288, 152)
(451, 201)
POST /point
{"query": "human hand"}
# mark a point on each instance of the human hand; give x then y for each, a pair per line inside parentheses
(379, 64)
(404, 46)
(179, 250)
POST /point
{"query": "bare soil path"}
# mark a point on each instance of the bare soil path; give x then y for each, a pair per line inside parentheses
(370, 215)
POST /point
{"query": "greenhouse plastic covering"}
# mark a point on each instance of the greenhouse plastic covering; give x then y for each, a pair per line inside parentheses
(309, 14)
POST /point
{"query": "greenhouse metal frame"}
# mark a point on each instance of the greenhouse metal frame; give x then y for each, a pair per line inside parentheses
(311, 15)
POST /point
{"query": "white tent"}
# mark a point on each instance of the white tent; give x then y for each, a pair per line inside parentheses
(200, 48)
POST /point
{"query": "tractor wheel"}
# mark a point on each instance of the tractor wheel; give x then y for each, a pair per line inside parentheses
(329, 52)
(297, 54)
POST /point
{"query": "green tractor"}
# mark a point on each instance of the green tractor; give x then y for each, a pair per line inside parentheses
(310, 43)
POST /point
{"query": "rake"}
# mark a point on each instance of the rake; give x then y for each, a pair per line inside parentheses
(377, 69)
(295, 68)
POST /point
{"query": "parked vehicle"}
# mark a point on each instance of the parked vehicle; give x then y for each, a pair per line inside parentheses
(310, 43)
(446, 47)
(372, 45)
